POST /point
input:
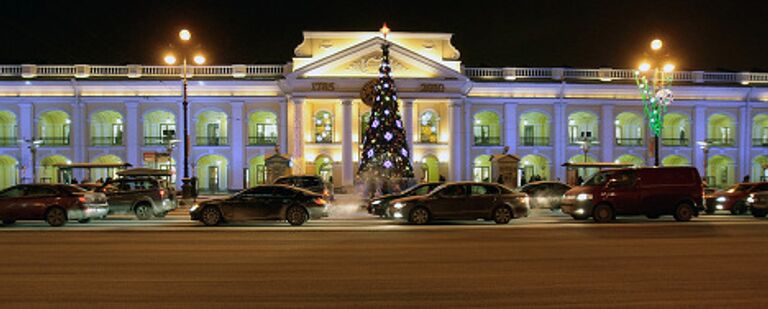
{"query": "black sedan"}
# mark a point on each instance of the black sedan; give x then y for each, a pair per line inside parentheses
(379, 206)
(545, 194)
(266, 202)
(463, 201)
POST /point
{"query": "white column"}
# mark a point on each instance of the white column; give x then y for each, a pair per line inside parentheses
(456, 164)
(283, 127)
(607, 133)
(237, 147)
(297, 156)
(80, 132)
(347, 169)
(469, 135)
(511, 127)
(408, 124)
(27, 124)
(745, 142)
(131, 133)
(699, 134)
(559, 138)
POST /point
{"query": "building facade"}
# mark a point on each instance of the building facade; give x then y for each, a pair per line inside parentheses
(455, 116)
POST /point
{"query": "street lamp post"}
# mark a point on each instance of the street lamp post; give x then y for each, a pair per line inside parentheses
(187, 187)
(654, 82)
(34, 143)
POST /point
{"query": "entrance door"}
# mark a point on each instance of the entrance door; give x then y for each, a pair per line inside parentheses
(213, 178)
(326, 172)
(482, 173)
(213, 134)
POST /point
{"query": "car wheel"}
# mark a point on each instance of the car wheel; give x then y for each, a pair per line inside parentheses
(739, 208)
(419, 215)
(9, 221)
(211, 216)
(55, 216)
(143, 212)
(757, 213)
(602, 213)
(296, 215)
(86, 220)
(502, 215)
(684, 212)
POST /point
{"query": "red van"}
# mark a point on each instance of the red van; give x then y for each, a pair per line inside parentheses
(649, 191)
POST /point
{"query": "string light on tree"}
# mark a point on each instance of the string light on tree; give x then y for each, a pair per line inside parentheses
(384, 143)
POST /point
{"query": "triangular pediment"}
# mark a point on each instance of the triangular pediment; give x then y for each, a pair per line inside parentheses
(362, 61)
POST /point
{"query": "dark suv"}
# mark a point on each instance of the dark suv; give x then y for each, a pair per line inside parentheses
(311, 183)
(651, 191)
(145, 197)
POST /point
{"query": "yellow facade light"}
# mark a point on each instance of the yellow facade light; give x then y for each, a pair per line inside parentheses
(199, 59)
(644, 67)
(668, 68)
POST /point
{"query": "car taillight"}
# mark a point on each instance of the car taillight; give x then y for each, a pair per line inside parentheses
(81, 199)
(320, 201)
(162, 193)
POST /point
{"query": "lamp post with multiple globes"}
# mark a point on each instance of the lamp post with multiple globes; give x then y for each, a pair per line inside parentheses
(654, 80)
(185, 36)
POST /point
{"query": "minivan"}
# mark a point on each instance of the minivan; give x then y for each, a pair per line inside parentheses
(649, 191)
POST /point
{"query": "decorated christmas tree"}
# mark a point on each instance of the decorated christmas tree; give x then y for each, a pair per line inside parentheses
(385, 151)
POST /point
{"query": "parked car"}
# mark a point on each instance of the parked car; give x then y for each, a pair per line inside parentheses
(54, 203)
(264, 202)
(462, 200)
(144, 197)
(379, 206)
(734, 198)
(312, 183)
(758, 204)
(545, 194)
(651, 191)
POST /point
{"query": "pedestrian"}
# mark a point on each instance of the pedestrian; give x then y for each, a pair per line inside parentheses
(74, 181)
(500, 179)
(579, 180)
(442, 178)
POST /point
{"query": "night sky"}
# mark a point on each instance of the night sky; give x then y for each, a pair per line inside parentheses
(708, 35)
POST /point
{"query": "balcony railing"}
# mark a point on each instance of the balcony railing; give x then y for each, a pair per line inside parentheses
(534, 141)
(9, 141)
(106, 141)
(622, 141)
(55, 141)
(141, 71)
(487, 141)
(158, 140)
(428, 139)
(760, 142)
(608, 75)
(577, 141)
(211, 141)
(262, 140)
(674, 142)
(721, 142)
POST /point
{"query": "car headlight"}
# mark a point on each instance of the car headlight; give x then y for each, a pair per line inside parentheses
(194, 207)
(751, 199)
(376, 202)
(399, 205)
(721, 199)
(583, 197)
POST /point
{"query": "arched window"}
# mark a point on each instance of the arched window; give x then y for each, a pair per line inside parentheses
(721, 130)
(677, 130)
(8, 129)
(54, 128)
(486, 129)
(429, 127)
(629, 129)
(211, 129)
(262, 128)
(582, 125)
(106, 128)
(159, 128)
(534, 129)
(323, 127)
(760, 130)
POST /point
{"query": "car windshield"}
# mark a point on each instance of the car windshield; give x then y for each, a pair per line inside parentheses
(422, 189)
(598, 179)
(738, 188)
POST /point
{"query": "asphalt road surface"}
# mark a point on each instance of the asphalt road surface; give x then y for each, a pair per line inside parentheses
(545, 261)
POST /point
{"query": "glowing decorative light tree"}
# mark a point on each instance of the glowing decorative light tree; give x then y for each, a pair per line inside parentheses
(385, 151)
(655, 85)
